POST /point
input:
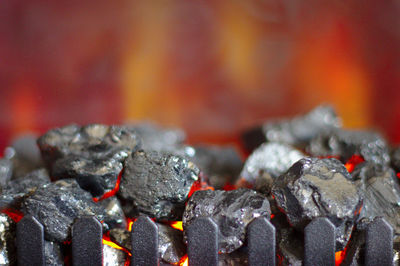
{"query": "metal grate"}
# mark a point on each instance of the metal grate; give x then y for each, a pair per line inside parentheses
(319, 241)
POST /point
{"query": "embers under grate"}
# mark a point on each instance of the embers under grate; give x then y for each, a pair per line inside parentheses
(319, 242)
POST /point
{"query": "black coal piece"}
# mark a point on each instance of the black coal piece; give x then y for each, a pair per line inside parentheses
(346, 143)
(156, 138)
(232, 211)
(53, 254)
(158, 184)
(267, 162)
(297, 131)
(170, 242)
(16, 189)
(6, 171)
(92, 154)
(57, 205)
(319, 188)
(8, 252)
(220, 164)
(381, 192)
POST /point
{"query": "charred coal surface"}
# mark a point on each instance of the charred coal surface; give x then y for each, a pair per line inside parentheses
(92, 154)
(267, 162)
(158, 184)
(53, 254)
(220, 164)
(232, 211)
(57, 205)
(297, 131)
(381, 192)
(8, 250)
(6, 171)
(346, 143)
(319, 188)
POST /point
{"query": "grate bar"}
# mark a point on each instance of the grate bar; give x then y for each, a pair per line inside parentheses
(87, 246)
(144, 242)
(319, 243)
(379, 243)
(202, 236)
(261, 242)
(30, 242)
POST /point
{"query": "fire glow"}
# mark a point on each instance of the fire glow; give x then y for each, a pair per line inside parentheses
(111, 192)
(353, 162)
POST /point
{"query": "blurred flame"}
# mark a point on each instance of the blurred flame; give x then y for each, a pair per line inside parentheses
(177, 225)
(353, 162)
(107, 241)
(184, 261)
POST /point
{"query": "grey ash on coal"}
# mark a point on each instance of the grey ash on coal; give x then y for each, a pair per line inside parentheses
(117, 173)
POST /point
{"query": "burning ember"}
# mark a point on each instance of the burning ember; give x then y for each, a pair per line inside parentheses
(297, 170)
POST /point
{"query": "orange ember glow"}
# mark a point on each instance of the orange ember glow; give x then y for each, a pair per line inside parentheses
(229, 187)
(111, 192)
(339, 257)
(353, 162)
(15, 215)
(199, 185)
(398, 175)
(184, 261)
(272, 216)
(130, 222)
(107, 241)
(177, 225)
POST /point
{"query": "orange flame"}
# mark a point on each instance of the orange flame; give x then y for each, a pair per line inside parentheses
(107, 241)
(130, 223)
(339, 257)
(353, 162)
(184, 261)
(177, 225)
(15, 215)
(111, 192)
(199, 185)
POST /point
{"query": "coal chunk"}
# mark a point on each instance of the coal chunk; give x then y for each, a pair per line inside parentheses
(157, 138)
(56, 206)
(170, 242)
(16, 189)
(319, 188)
(236, 258)
(381, 192)
(53, 253)
(346, 143)
(114, 214)
(297, 131)
(268, 162)
(158, 184)
(113, 256)
(395, 159)
(6, 171)
(24, 154)
(91, 154)
(232, 211)
(220, 164)
(8, 251)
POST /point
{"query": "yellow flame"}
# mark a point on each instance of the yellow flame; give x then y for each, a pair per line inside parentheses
(177, 225)
(184, 261)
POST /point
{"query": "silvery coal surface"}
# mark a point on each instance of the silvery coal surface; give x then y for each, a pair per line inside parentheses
(170, 242)
(232, 211)
(8, 250)
(158, 184)
(346, 143)
(267, 162)
(381, 193)
(91, 154)
(296, 131)
(57, 205)
(319, 188)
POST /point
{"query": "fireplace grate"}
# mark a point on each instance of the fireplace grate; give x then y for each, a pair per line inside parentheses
(319, 241)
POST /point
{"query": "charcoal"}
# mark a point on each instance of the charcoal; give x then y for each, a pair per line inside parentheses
(220, 164)
(232, 211)
(156, 138)
(381, 193)
(24, 154)
(56, 206)
(114, 214)
(158, 184)
(6, 170)
(268, 162)
(96, 176)
(53, 254)
(236, 258)
(395, 159)
(113, 256)
(7, 240)
(92, 154)
(17, 188)
(346, 143)
(319, 188)
(297, 131)
(170, 242)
